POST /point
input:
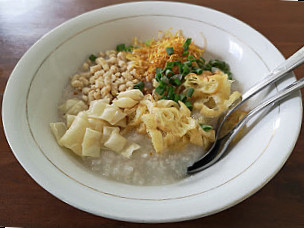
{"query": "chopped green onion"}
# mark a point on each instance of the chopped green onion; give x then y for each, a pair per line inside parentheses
(177, 63)
(229, 75)
(200, 63)
(180, 69)
(206, 127)
(170, 93)
(158, 77)
(188, 41)
(182, 97)
(162, 83)
(120, 47)
(188, 63)
(140, 85)
(160, 90)
(220, 65)
(169, 65)
(186, 44)
(169, 73)
(170, 51)
(129, 49)
(93, 57)
(185, 53)
(177, 81)
(158, 70)
(191, 58)
(189, 105)
(190, 92)
(186, 70)
(208, 67)
(176, 97)
(198, 71)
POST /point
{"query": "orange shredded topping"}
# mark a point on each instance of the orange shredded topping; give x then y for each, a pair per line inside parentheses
(147, 58)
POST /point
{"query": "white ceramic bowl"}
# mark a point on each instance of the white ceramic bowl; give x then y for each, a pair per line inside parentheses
(35, 87)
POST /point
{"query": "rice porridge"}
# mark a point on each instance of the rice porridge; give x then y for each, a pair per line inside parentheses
(143, 113)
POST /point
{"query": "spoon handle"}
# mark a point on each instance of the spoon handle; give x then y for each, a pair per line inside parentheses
(224, 142)
(288, 65)
(272, 100)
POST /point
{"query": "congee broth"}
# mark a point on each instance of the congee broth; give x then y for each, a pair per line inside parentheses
(143, 113)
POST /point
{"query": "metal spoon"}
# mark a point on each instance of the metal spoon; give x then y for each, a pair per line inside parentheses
(279, 72)
(222, 144)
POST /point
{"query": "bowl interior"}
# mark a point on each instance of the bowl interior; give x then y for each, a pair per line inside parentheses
(47, 85)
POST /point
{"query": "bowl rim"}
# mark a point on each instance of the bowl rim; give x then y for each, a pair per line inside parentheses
(9, 129)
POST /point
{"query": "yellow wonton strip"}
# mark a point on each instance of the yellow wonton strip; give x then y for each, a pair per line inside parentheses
(134, 94)
(73, 137)
(157, 140)
(169, 126)
(115, 142)
(72, 106)
(195, 137)
(129, 149)
(110, 113)
(91, 143)
(70, 119)
(128, 99)
(202, 83)
(58, 130)
(166, 104)
(90, 129)
(212, 96)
